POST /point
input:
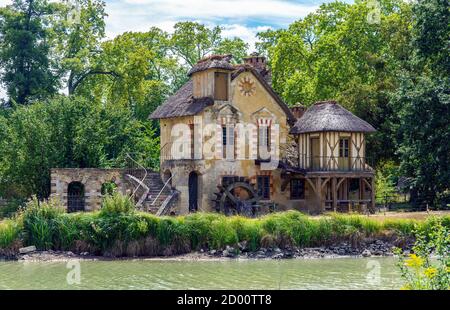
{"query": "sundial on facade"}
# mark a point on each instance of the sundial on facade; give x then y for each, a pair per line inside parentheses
(247, 86)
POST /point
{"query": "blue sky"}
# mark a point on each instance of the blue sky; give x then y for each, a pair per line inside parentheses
(242, 18)
(239, 18)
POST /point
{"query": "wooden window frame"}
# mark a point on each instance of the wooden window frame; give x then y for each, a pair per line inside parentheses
(263, 186)
(297, 193)
(344, 147)
(267, 139)
(216, 95)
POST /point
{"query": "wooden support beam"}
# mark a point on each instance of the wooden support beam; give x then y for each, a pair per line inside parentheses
(372, 193)
(367, 183)
(334, 190)
(319, 194)
(339, 183)
(325, 183)
(312, 185)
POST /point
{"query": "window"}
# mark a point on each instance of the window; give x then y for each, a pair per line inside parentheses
(297, 189)
(192, 146)
(228, 141)
(224, 136)
(221, 86)
(343, 147)
(263, 184)
(264, 141)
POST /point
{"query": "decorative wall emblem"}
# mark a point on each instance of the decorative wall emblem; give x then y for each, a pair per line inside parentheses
(247, 86)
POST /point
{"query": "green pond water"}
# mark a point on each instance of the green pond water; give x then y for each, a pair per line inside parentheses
(341, 273)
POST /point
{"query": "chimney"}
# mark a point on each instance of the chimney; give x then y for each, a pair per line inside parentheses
(258, 62)
(298, 110)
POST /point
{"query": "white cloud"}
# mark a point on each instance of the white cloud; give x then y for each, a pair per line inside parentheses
(248, 34)
(280, 10)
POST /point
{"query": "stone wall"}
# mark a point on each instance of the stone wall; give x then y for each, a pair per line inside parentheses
(91, 178)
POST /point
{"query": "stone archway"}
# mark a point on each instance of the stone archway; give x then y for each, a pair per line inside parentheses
(75, 197)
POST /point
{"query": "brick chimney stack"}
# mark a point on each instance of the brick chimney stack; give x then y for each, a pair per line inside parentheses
(257, 61)
(298, 110)
(260, 64)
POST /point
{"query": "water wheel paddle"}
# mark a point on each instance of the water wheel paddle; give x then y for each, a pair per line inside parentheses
(238, 197)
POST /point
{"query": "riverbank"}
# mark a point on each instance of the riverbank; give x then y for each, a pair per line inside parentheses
(376, 248)
(118, 230)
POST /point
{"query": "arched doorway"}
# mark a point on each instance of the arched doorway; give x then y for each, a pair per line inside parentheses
(193, 191)
(75, 197)
(167, 176)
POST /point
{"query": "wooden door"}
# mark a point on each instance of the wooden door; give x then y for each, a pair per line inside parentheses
(193, 191)
(344, 158)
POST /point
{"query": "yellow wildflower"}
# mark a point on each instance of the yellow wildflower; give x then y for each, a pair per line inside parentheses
(430, 272)
(414, 261)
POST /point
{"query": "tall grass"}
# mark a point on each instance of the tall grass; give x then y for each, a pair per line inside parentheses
(9, 232)
(119, 230)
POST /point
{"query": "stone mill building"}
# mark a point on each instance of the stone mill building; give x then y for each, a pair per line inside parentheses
(230, 144)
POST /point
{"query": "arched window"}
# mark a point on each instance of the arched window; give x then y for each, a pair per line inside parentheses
(108, 188)
(75, 197)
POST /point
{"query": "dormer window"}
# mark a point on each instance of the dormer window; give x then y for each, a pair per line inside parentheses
(221, 86)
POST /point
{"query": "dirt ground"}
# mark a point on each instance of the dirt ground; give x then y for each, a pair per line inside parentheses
(407, 215)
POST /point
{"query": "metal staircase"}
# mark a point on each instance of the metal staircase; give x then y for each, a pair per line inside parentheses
(149, 191)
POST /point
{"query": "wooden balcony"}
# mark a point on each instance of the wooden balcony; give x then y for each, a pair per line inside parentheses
(334, 164)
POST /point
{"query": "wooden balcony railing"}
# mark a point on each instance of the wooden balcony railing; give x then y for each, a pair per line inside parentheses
(334, 163)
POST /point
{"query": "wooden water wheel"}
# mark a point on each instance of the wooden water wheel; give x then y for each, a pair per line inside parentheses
(237, 197)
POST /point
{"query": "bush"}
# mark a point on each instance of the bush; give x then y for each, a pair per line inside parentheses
(418, 270)
(38, 222)
(11, 207)
(117, 203)
(221, 233)
(9, 232)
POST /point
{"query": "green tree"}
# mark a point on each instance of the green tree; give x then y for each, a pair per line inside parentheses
(146, 72)
(422, 104)
(67, 132)
(236, 47)
(337, 53)
(192, 41)
(27, 71)
(77, 30)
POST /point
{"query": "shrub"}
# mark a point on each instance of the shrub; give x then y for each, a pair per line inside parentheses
(38, 222)
(248, 230)
(65, 232)
(9, 232)
(221, 233)
(117, 203)
(418, 270)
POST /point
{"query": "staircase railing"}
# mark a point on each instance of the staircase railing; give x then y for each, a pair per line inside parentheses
(162, 189)
(140, 182)
(167, 203)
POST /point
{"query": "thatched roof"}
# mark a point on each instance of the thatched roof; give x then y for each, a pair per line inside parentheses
(182, 103)
(330, 116)
(212, 62)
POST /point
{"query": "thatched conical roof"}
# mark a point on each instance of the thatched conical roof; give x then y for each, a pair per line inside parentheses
(330, 116)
